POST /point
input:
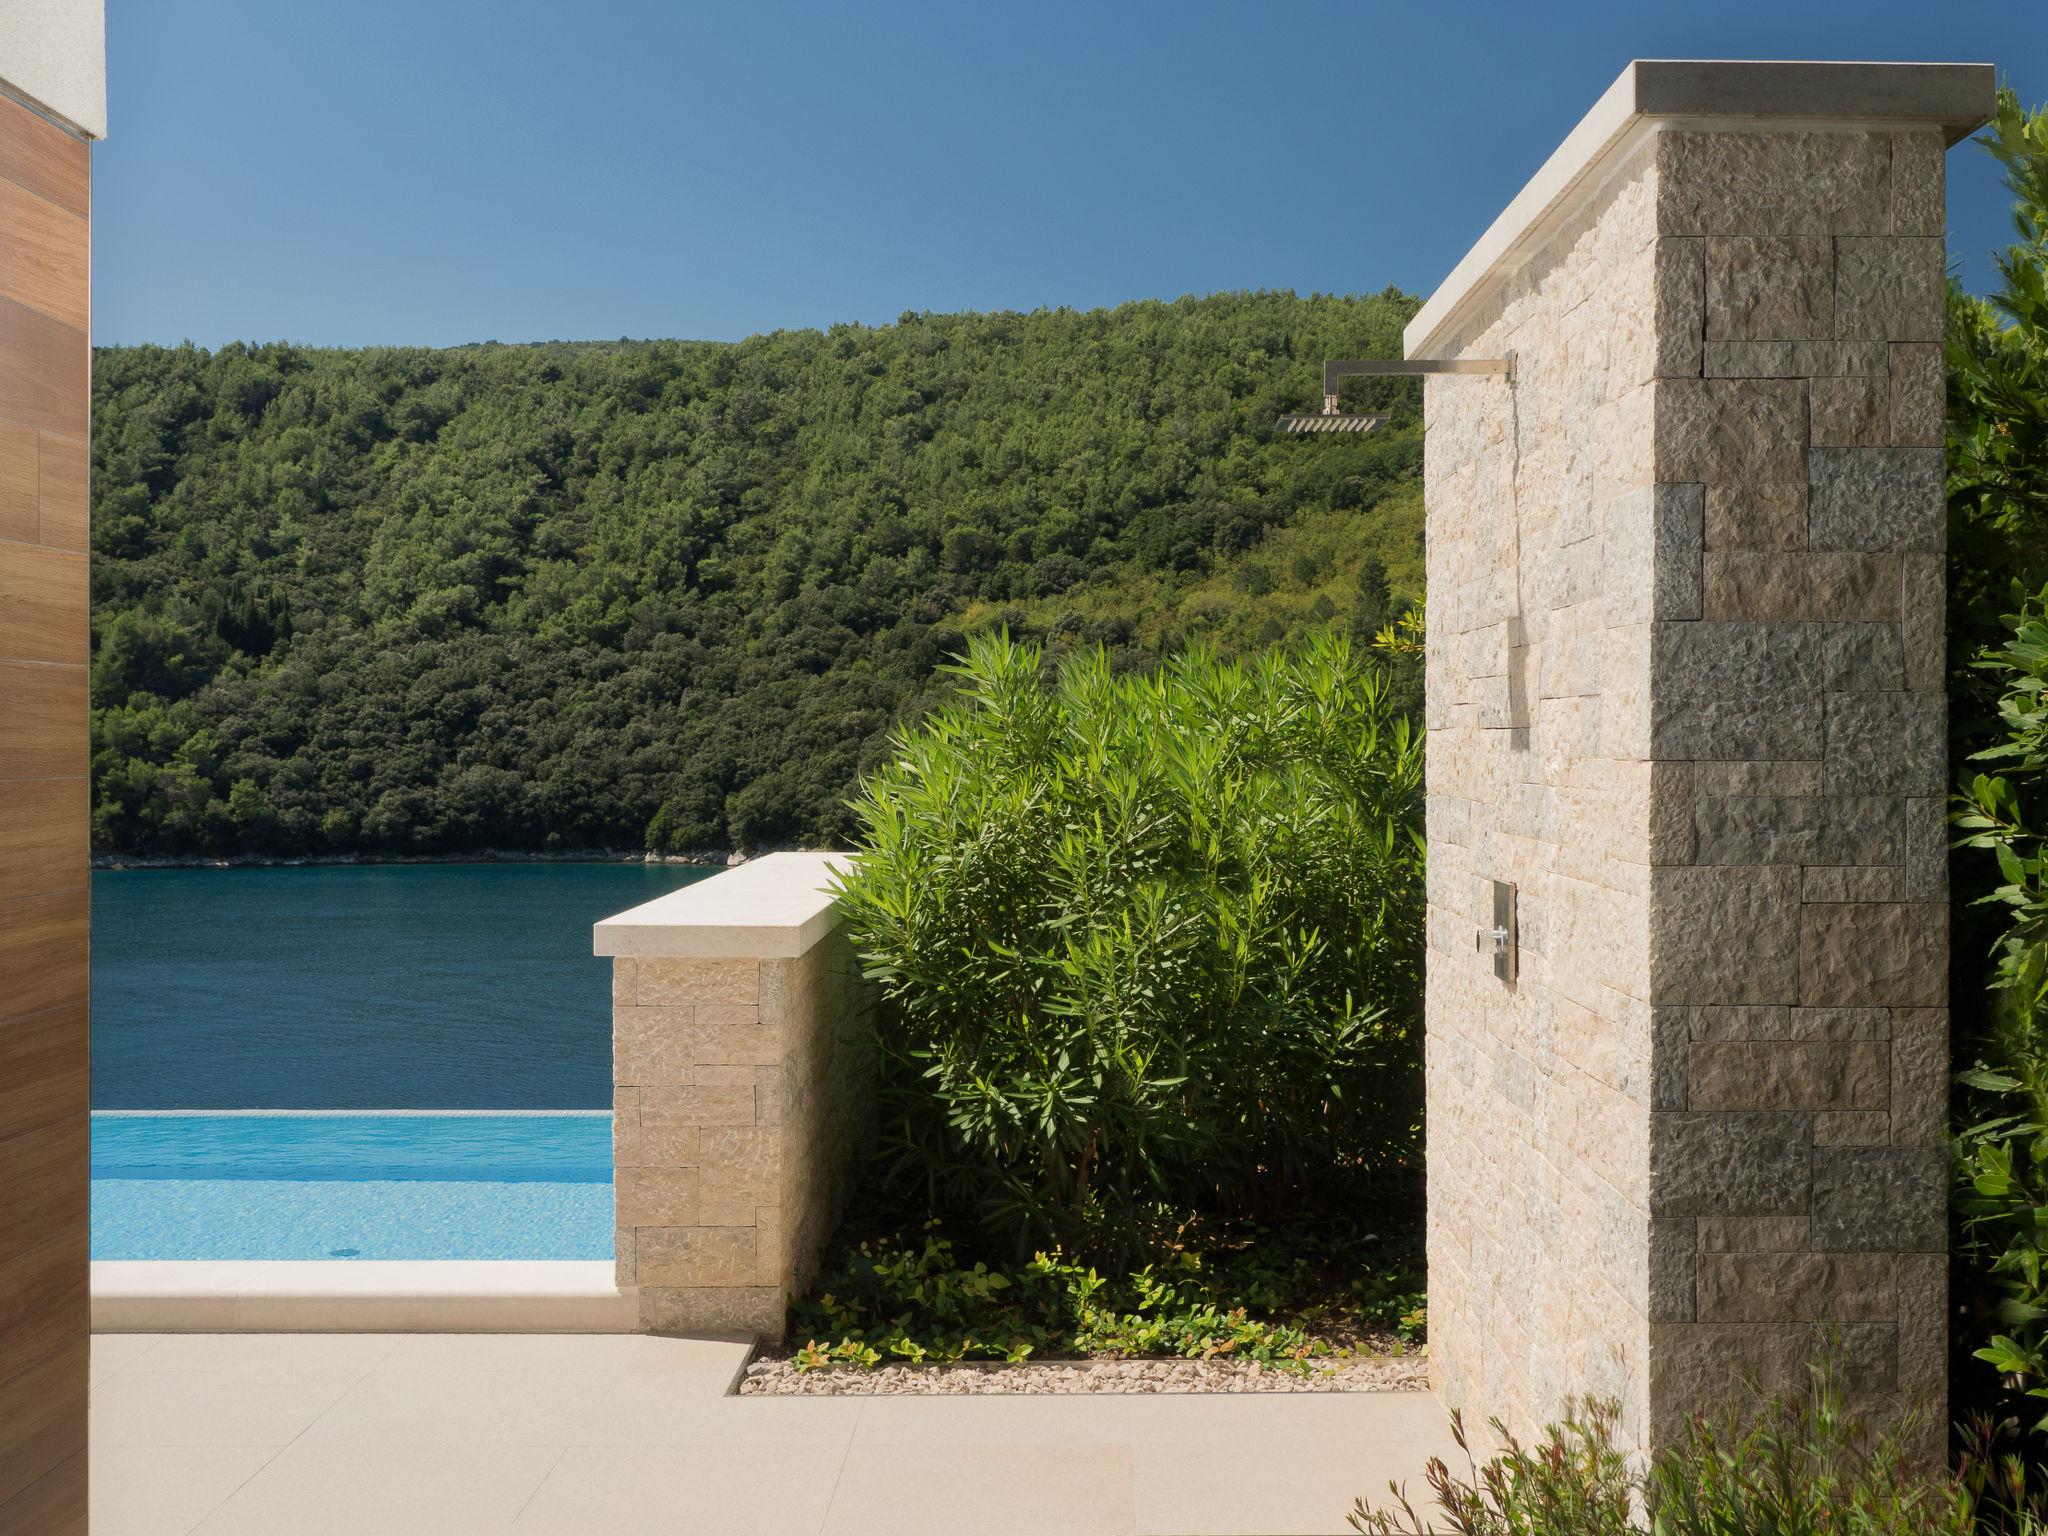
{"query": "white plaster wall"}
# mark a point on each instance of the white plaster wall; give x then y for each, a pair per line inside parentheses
(53, 55)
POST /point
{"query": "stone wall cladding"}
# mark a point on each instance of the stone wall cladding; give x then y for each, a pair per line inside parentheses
(738, 1103)
(1685, 693)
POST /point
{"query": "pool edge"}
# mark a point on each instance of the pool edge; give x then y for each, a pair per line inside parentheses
(360, 1296)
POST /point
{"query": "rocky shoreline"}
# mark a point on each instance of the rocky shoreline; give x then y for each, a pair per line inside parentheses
(708, 859)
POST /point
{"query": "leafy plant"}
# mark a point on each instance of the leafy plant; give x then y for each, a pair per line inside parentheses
(1248, 1295)
(1798, 1465)
(1148, 943)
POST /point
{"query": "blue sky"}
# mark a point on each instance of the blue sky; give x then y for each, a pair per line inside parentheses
(420, 171)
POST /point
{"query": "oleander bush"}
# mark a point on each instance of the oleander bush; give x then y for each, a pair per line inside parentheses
(1798, 1465)
(1148, 943)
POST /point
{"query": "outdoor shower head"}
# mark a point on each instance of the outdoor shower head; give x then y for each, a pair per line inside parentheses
(1330, 419)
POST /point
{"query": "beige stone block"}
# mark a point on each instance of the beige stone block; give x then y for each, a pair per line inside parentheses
(1745, 440)
(1918, 384)
(625, 983)
(1852, 1128)
(1820, 883)
(1789, 183)
(653, 1046)
(1890, 954)
(1918, 182)
(695, 1256)
(1681, 307)
(1797, 1287)
(1802, 585)
(1920, 1068)
(768, 1095)
(1892, 289)
(713, 1309)
(1728, 780)
(1753, 1234)
(625, 1126)
(1790, 1075)
(655, 1197)
(740, 1163)
(1923, 604)
(1851, 412)
(663, 1109)
(675, 982)
(1769, 287)
(622, 1258)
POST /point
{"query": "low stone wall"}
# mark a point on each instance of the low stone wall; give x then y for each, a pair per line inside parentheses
(740, 1064)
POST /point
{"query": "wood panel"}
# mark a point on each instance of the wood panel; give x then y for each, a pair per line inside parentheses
(42, 840)
(43, 951)
(42, 1417)
(20, 484)
(53, 1505)
(42, 724)
(43, 258)
(44, 1077)
(43, 1285)
(43, 384)
(42, 604)
(61, 480)
(38, 155)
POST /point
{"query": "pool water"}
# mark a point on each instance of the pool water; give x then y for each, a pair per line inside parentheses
(353, 1185)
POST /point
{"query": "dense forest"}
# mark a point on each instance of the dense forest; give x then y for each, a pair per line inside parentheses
(674, 595)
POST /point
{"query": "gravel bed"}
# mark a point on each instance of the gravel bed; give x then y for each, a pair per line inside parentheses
(776, 1377)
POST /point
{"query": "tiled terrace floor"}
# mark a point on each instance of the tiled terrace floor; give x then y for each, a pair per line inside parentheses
(387, 1434)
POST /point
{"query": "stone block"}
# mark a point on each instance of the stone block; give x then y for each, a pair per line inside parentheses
(1881, 499)
(1852, 1128)
(1918, 183)
(1800, 584)
(625, 983)
(655, 1197)
(1681, 307)
(741, 1164)
(1891, 289)
(695, 1256)
(1851, 412)
(1853, 883)
(1923, 615)
(1769, 287)
(1880, 1199)
(1918, 390)
(1799, 829)
(1795, 359)
(653, 1047)
(1864, 658)
(1753, 1234)
(670, 983)
(1732, 183)
(1724, 935)
(1790, 1075)
(1650, 553)
(1923, 1321)
(1886, 744)
(1926, 850)
(1797, 1287)
(1720, 662)
(1745, 441)
(1730, 1163)
(1874, 955)
(1919, 1116)
(1756, 778)
(714, 1309)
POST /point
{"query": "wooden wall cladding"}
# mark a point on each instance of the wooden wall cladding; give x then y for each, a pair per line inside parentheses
(45, 358)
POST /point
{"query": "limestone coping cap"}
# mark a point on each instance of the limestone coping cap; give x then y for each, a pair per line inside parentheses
(1957, 98)
(773, 907)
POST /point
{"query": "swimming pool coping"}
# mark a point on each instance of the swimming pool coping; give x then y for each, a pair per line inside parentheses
(360, 1296)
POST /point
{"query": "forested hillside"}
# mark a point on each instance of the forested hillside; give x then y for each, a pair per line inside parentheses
(674, 594)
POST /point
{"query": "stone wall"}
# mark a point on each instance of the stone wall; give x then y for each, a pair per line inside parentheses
(1685, 577)
(739, 1098)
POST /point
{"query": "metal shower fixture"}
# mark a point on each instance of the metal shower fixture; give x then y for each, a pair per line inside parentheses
(1330, 419)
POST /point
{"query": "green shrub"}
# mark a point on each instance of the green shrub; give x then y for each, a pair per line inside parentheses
(1800, 1465)
(1147, 943)
(2003, 1159)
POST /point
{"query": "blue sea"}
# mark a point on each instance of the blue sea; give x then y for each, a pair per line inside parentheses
(231, 1006)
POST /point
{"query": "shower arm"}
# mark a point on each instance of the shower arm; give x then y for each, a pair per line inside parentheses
(1337, 368)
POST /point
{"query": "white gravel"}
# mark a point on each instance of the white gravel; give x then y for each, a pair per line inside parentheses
(1374, 1373)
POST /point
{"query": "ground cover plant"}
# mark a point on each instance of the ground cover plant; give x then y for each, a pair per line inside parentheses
(1803, 1464)
(1148, 944)
(1293, 1298)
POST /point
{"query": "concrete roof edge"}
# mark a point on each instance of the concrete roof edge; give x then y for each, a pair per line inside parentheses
(1957, 97)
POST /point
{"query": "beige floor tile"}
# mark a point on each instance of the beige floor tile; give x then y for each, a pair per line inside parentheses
(463, 1408)
(609, 1352)
(140, 1406)
(1284, 1419)
(1265, 1489)
(1076, 1420)
(159, 1490)
(403, 1490)
(336, 1354)
(718, 1491)
(651, 1409)
(113, 1352)
(901, 1490)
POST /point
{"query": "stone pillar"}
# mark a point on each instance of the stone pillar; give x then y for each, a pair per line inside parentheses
(1685, 693)
(740, 1031)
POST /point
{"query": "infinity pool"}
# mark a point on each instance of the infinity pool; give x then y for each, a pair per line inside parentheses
(268, 1184)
